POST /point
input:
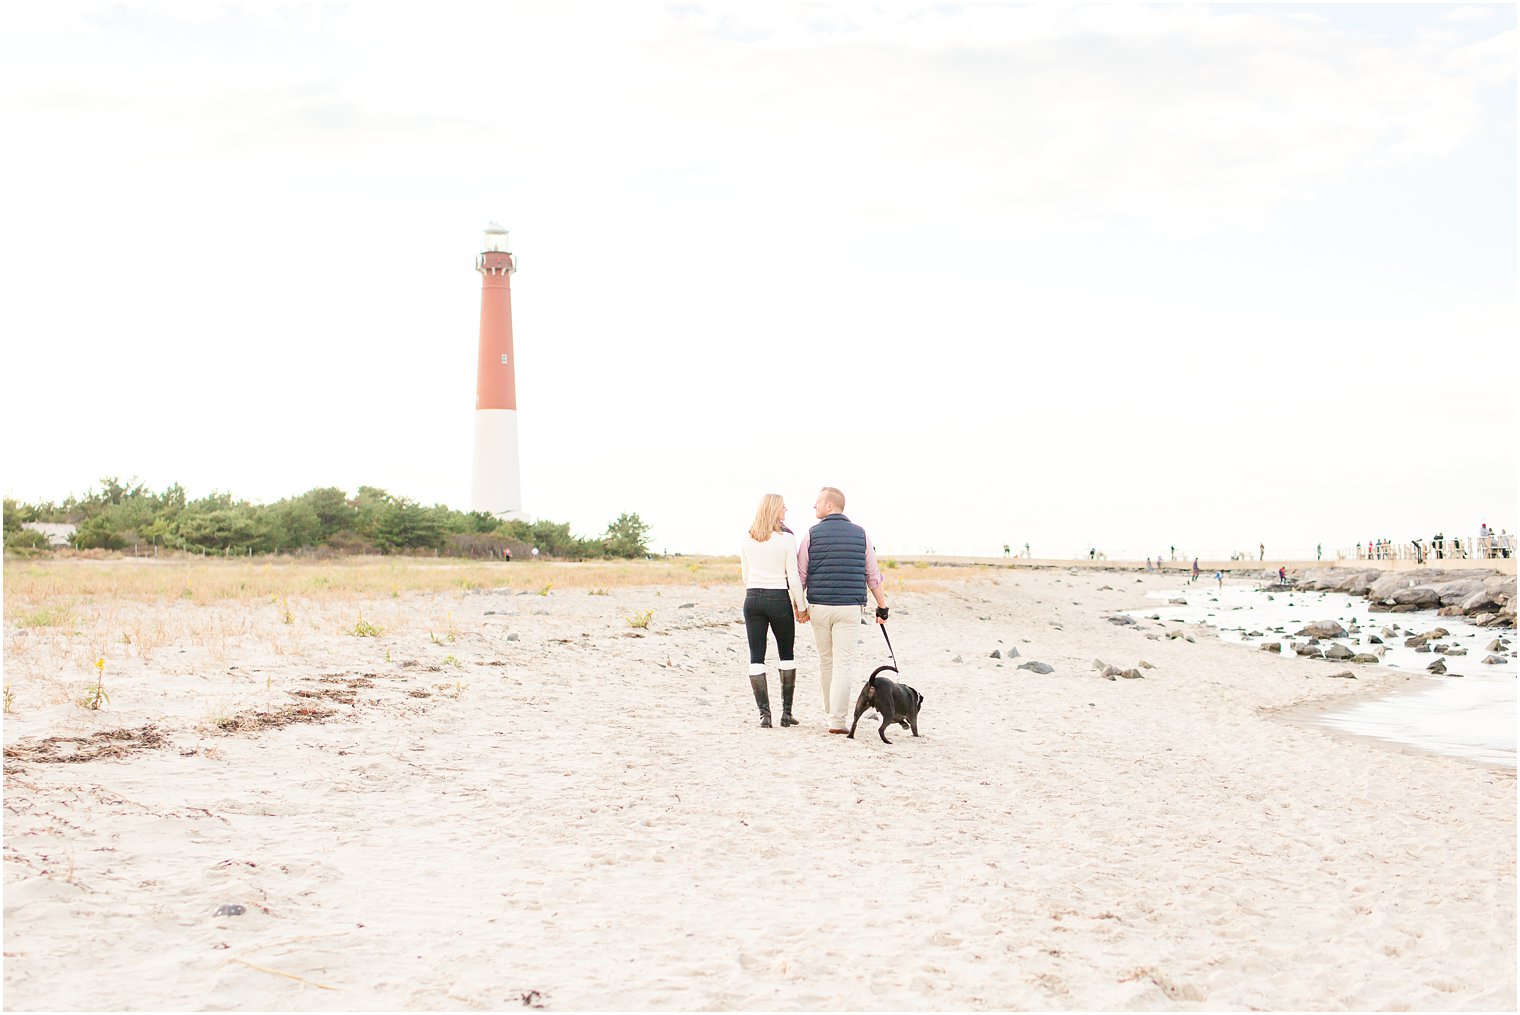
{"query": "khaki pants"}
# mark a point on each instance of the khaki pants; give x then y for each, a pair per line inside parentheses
(837, 631)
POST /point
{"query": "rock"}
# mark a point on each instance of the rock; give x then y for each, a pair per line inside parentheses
(1456, 651)
(995, 654)
(489, 613)
(1153, 637)
(1438, 667)
(1308, 652)
(1174, 634)
(1177, 602)
(686, 606)
(1110, 672)
(513, 637)
(230, 909)
(1389, 632)
(1272, 646)
(1131, 674)
(957, 659)
(1493, 660)
(1311, 641)
(1099, 664)
(1414, 642)
(1123, 620)
(1010, 652)
(1364, 658)
(1439, 632)
(1034, 667)
(1343, 675)
(1374, 640)
(1422, 647)
(1449, 611)
(1338, 651)
(1419, 597)
(1145, 665)
(1323, 629)
(1254, 634)
(1154, 616)
(1497, 645)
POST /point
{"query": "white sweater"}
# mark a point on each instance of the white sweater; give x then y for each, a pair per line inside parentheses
(772, 565)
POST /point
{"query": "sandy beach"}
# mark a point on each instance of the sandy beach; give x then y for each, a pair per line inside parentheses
(509, 796)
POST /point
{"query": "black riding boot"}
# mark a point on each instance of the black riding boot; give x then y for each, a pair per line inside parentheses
(788, 687)
(762, 698)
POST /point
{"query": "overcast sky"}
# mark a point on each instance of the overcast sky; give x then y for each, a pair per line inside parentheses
(1124, 277)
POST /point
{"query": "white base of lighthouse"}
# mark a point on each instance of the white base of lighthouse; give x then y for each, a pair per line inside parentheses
(495, 487)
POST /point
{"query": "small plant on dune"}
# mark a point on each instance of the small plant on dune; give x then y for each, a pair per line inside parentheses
(96, 696)
(387, 653)
(289, 618)
(597, 592)
(545, 590)
(922, 565)
(48, 616)
(641, 619)
(451, 661)
(187, 592)
(10, 699)
(364, 629)
(889, 564)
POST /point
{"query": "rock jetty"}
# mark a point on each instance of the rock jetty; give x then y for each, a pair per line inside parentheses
(1485, 598)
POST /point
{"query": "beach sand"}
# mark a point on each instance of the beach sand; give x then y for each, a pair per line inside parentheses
(520, 799)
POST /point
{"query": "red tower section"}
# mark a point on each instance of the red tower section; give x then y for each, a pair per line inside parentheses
(495, 378)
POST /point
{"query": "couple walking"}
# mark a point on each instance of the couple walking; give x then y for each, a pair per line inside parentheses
(823, 580)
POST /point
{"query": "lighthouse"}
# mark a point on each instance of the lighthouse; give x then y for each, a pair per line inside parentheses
(495, 487)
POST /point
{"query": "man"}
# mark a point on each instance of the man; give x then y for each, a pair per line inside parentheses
(838, 567)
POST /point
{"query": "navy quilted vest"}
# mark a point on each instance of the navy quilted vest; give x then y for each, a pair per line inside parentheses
(836, 563)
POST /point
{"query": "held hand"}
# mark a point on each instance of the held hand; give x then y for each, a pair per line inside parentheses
(802, 616)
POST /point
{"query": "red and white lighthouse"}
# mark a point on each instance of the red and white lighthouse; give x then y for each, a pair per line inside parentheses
(495, 486)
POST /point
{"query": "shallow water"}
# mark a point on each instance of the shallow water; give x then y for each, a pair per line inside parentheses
(1468, 713)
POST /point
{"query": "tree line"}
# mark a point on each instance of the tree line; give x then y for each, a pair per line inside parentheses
(325, 520)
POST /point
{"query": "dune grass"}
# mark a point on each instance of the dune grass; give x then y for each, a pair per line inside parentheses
(49, 593)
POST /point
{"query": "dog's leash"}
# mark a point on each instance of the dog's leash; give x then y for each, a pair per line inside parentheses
(889, 645)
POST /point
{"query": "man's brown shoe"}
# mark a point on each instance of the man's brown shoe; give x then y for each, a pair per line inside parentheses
(839, 731)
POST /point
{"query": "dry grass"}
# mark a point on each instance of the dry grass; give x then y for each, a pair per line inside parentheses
(49, 593)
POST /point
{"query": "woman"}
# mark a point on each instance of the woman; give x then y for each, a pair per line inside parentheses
(772, 590)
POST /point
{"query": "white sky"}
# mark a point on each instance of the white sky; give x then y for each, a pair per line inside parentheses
(1125, 277)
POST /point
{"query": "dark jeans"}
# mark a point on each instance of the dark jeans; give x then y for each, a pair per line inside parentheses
(769, 608)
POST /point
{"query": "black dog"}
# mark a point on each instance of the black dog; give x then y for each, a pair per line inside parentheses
(896, 702)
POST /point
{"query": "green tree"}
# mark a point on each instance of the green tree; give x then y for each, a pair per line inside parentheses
(626, 536)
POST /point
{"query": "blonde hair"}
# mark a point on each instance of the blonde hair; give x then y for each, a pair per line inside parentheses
(767, 518)
(834, 496)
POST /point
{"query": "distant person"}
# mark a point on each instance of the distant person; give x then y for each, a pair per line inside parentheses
(1148, 565)
(1026, 551)
(772, 602)
(535, 553)
(1007, 550)
(1092, 553)
(506, 553)
(838, 567)
(1174, 554)
(1282, 576)
(1219, 577)
(1195, 569)
(1319, 551)
(1263, 548)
